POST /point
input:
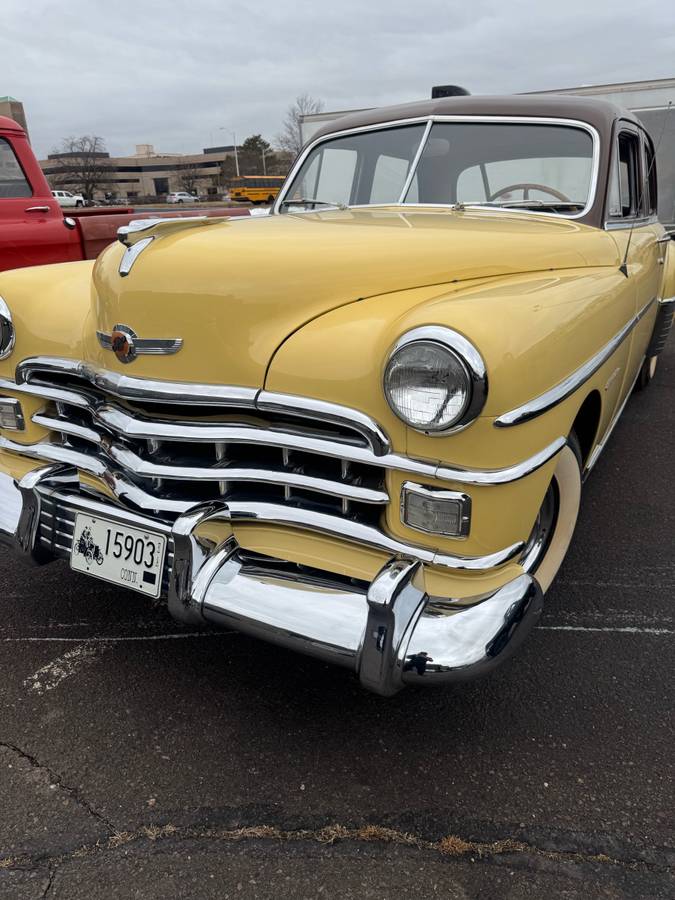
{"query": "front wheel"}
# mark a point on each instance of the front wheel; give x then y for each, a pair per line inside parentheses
(557, 518)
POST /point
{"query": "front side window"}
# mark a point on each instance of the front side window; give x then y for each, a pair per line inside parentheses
(13, 183)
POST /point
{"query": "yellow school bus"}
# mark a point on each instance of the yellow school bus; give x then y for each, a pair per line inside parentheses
(256, 188)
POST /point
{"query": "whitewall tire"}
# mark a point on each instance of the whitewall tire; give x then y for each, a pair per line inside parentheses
(552, 533)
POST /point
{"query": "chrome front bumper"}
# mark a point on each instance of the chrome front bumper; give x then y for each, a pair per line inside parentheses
(390, 631)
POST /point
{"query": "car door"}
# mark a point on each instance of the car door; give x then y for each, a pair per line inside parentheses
(32, 229)
(631, 218)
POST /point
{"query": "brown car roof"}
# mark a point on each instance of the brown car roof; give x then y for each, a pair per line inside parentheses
(601, 114)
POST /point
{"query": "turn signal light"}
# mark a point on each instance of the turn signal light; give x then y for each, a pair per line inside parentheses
(11, 415)
(435, 511)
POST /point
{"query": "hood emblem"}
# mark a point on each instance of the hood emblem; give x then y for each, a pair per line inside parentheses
(126, 345)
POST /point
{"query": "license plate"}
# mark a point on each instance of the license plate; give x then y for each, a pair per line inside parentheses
(130, 557)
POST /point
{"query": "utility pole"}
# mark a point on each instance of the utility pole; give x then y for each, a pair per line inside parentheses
(264, 163)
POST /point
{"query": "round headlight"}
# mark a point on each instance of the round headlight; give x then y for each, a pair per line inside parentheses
(435, 380)
(6, 330)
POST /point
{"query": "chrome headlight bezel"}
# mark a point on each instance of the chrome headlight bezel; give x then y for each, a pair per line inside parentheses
(471, 363)
(7, 335)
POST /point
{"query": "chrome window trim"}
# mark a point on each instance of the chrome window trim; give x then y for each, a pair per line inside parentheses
(471, 360)
(464, 500)
(415, 162)
(625, 224)
(6, 315)
(495, 119)
(569, 385)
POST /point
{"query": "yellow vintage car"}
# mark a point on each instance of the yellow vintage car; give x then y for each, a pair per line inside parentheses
(357, 427)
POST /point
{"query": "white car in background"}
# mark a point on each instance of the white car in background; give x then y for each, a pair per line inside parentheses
(66, 199)
(181, 197)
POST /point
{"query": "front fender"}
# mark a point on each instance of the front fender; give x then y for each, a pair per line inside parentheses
(532, 331)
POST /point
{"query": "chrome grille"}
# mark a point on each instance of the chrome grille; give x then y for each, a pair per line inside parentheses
(193, 454)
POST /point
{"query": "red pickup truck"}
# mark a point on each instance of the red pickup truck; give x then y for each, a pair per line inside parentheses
(33, 228)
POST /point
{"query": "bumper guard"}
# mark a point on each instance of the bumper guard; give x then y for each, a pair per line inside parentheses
(390, 632)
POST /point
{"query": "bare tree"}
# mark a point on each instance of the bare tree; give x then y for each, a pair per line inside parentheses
(82, 164)
(290, 138)
(189, 177)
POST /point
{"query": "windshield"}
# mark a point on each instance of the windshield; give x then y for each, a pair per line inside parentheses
(517, 165)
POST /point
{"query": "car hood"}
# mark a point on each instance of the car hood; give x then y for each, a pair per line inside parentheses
(234, 291)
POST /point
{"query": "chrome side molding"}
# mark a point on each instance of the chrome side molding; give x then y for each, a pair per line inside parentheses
(569, 385)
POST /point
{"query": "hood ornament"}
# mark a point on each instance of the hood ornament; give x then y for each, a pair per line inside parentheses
(126, 345)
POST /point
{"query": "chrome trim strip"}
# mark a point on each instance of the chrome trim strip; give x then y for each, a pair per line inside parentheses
(86, 503)
(189, 393)
(271, 513)
(120, 487)
(146, 389)
(569, 385)
(128, 387)
(626, 224)
(345, 529)
(415, 162)
(323, 411)
(131, 254)
(472, 363)
(397, 123)
(137, 226)
(122, 423)
(595, 455)
(8, 339)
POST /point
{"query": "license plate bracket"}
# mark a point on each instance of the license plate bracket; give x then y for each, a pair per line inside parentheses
(120, 554)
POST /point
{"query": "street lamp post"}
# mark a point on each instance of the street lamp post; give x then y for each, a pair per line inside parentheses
(236, 158)
(264, 163)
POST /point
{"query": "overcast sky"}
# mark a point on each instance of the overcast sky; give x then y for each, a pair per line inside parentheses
(173, 73)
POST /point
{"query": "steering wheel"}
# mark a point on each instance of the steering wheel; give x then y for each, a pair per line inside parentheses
(526, 187)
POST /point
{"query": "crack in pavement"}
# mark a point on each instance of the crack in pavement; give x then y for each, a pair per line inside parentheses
(56, 779)
(451, 845)
(51, 872)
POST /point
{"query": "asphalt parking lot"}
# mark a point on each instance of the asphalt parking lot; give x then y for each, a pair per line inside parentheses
(140, 760)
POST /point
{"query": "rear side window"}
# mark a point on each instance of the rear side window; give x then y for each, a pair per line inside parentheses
(625, 185)
(13, 182)
(651, 193)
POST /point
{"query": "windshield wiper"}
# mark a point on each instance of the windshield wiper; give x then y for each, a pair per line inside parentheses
(525, 204)
(308, 201)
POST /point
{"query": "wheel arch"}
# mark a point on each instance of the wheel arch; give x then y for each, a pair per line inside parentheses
(587, 422)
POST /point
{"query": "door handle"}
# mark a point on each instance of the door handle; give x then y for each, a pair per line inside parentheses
(37, 209)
